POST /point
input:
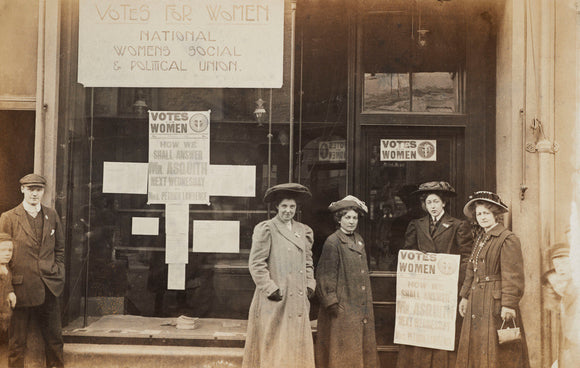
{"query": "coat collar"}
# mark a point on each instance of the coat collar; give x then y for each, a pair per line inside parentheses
(354, 243)
(295, 236)
(23, 220)
(497, 230)
(446, 222)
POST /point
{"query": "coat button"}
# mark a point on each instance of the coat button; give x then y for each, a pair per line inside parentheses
(290, 294)
(363, 287)
(486, 278)
(473, 316)
(300, 293)
(364, 321)
(362, 271)
(473, 288)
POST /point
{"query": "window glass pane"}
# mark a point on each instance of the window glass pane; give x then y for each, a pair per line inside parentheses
(386, 92)
(127, 273)
(435, 92)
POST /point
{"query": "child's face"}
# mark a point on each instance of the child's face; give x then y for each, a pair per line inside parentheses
(5, 252)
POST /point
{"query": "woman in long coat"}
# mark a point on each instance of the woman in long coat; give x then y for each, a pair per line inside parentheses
(438, 232)
(279, 333)
(346, 326)
(492, 290)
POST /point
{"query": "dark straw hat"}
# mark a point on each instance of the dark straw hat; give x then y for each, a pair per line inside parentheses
(33, 180)
(295, 191)
(437, 187)
(485, 196)
(348, 202)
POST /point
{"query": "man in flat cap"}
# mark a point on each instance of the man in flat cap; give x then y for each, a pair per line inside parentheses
(37, 272)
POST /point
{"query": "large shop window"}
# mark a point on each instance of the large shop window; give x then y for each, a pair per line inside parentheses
(120, 272)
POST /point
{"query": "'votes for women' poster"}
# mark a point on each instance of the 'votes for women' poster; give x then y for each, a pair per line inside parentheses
(426, 299)
(178, 157)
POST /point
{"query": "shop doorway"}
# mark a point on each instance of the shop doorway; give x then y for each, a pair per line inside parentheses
(16, 154)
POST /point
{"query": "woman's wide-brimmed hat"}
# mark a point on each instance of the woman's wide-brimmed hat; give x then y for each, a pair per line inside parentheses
(485, 196)
(294, 191)
(348, 202)
(437, 187)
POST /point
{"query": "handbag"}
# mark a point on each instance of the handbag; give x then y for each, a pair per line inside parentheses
(508, 334)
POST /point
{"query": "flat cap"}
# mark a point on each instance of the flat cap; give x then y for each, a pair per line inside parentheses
(294, 191)
(33, 180)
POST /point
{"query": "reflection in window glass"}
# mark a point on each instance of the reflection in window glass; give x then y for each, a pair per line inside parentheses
(386, 92)
(434, 92)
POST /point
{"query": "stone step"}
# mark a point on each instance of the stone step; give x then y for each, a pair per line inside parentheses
(150, 356)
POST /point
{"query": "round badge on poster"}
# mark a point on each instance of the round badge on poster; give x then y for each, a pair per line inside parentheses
(198, 123)
(426, 150)
(446, 266)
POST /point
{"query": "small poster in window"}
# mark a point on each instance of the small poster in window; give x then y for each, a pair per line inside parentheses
(408, 149)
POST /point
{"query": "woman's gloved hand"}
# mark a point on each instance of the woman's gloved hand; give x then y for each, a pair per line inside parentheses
(463, 307)
(508, 314)
(275, 296)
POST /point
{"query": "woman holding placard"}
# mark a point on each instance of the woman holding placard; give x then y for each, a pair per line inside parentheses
(438, 232)
(491, 292)
(346, 325)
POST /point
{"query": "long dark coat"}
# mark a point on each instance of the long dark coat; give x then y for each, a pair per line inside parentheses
(35, 262)
(497, 282)
(452, 236)
(342, 276)
(279, 332)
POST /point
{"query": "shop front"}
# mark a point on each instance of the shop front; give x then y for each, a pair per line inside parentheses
(369, 98)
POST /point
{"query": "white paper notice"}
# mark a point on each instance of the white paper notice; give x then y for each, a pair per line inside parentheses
(178, 156)
(176, 248)
(145, 226)
(426, 299)
(125, 177)
(232, 180)
(408, 150)
(176, 276)
(216, 236)
(177, 219)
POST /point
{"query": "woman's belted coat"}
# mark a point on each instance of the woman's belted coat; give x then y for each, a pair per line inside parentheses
(279, 332)
(496, 281)
(342, 275)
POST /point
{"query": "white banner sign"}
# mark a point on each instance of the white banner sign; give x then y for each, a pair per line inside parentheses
(181, 43)
(178, 157)
(408, 150)
(426, 299)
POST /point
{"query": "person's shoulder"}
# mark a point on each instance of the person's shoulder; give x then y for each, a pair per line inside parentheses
(304, 226)
(12, 211)
(49, 210)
